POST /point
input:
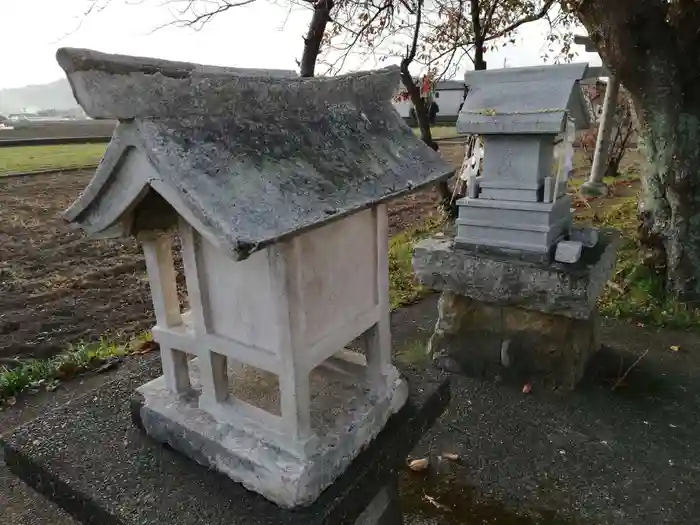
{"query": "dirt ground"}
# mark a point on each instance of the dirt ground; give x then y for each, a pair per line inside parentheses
(60, 288)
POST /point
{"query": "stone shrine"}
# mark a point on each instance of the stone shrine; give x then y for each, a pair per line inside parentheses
(518, 202)
(273, 189)
(519, 283)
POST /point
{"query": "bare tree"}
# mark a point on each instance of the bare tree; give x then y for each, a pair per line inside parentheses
(430, 35)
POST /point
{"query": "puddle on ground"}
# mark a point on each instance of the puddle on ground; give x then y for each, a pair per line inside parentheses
(441, 499)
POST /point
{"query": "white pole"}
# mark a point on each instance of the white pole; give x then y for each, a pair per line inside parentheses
(595, 184)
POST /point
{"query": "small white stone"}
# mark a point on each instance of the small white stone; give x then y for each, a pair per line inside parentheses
(568, 252)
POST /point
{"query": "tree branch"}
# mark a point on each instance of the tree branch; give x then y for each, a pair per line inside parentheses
(312, 42)
(489, 17)
(527, 19)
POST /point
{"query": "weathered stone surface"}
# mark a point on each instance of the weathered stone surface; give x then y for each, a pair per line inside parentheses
(565, 290)
(344, 417)
(253, 157)
(110, 86)
(523, 100)
(90, 459)
(568, 252)
(521, 113)
(486, 340)
(587, 236)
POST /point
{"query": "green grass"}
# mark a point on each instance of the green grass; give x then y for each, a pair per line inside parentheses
(413, 352)
(440, 132)
(48, 373)
(403, 289)
(638, 291)
(30, 158)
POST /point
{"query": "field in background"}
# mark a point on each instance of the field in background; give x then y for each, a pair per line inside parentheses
(33, 158)
(57, 128)
(440, 132)
(61, 288)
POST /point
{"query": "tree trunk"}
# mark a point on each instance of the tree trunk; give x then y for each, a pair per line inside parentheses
(670, 205)
(479, 36)
(654, 52)
(312, 41)
(426, 135)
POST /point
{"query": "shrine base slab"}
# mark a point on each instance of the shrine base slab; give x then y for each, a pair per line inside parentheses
(343, 416)
(90, 459)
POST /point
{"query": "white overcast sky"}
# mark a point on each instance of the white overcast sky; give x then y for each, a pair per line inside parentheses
(261, 35)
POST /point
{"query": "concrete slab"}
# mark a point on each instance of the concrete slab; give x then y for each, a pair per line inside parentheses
(90, 458)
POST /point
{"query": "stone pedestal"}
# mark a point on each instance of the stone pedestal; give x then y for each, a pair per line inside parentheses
(514, 319)
(483, 339)
(91, 460)
(345, 415)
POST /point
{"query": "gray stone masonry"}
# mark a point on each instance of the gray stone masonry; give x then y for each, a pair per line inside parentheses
(249, 168)
(519, 113)
(256, 156)
(514, 319)
(523, 100)
(512, 344)
(565, 290)
(343, 415)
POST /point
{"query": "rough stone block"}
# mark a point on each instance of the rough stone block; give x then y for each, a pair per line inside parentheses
(485, 340)
(568, 252)
(587, 236)
(507, 279)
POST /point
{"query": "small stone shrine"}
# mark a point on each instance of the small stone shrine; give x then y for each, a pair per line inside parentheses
(273, 190)
(519, 283)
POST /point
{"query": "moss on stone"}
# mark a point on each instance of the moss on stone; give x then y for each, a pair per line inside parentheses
(403, 288)
(636, 290)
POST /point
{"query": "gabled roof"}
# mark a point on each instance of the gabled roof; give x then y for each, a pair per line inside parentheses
(450, 85)
(523, 100)
(248, 158)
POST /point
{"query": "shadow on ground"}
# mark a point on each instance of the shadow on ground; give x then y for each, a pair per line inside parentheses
(595, 456)
(598, 455)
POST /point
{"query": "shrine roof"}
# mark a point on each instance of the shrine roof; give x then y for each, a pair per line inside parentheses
(252, 156)
(525, 100)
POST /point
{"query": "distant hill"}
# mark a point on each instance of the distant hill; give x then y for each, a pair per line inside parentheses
(55, 95)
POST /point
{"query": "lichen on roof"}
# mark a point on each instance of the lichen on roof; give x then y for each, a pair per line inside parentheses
(254, 157)
(523, 100)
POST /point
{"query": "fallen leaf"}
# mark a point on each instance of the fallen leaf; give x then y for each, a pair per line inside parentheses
(147, 346)
(11, 401)
(67, 370)
(527, 388)
(675, 348)
(435, 502)
(451, 456)
(418, 465)
(107, 366)
(53, 386)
